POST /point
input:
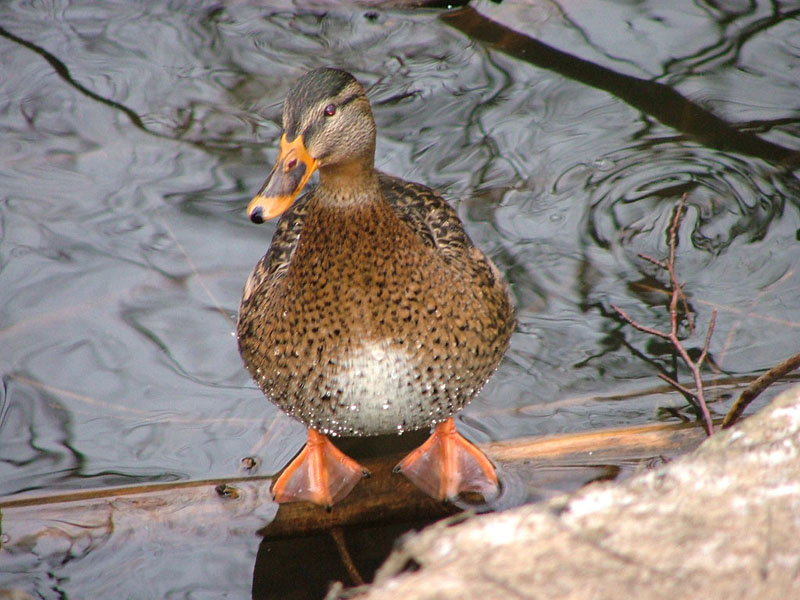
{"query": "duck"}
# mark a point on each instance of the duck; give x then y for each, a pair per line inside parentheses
(372, 311)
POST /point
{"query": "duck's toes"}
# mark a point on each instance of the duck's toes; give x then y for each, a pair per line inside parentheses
(447, 465)
(321, 474)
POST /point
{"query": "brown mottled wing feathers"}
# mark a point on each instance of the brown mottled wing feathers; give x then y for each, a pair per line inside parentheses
(429, 216)
(426, 213)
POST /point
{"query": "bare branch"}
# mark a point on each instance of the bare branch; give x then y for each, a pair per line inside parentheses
(685, 302)
(655, 261)
(678, 297)
(707, 343)
(677, 215)
(636, 325)
(759, 385)
(689, 394)
(338, 537)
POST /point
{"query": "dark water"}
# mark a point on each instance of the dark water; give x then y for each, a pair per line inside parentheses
(133, 135)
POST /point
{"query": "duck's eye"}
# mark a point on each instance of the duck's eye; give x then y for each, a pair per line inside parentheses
(330, 110)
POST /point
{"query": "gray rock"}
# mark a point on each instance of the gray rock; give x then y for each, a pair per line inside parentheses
(722, 522)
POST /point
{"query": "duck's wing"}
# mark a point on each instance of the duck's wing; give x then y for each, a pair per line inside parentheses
(284, 242)
(427, 214)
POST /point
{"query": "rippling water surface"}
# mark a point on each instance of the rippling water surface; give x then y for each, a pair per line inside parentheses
(134, 134)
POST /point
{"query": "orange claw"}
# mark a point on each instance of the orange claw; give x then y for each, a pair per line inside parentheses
(447, 464)
(321, 474)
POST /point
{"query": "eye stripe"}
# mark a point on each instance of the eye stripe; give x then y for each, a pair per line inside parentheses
(312, 119)
(349, 99)
(331, 109)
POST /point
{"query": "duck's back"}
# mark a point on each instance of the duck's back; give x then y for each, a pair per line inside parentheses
(375, 318)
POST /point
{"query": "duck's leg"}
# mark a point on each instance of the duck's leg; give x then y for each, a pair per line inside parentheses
(447, 464)
(321, 474)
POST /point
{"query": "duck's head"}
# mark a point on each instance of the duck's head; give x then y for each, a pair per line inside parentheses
(327, 125)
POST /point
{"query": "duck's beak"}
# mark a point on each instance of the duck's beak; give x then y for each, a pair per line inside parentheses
(290, 173)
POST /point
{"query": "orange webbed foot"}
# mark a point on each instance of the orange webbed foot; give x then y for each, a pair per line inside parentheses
(447, 465)
(321, 474)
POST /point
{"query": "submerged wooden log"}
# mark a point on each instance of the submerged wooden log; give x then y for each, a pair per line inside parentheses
(386, 497)
(624, 443)
(245, 502)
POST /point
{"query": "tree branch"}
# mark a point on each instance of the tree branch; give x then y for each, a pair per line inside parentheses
(677, 297)
(756, 387)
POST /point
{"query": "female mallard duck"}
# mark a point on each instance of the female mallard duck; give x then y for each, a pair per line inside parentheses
(371, 312)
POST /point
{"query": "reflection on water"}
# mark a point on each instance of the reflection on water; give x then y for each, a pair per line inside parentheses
(133, 135)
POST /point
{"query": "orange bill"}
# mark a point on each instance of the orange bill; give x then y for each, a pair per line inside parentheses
(290, 173)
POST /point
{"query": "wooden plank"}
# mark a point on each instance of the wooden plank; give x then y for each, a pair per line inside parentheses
(383, 498)
(624, 443)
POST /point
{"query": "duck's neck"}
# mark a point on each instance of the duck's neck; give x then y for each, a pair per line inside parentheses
(349, 183)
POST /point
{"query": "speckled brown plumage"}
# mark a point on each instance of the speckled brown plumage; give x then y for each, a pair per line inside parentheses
(392, 278)
(372, 311)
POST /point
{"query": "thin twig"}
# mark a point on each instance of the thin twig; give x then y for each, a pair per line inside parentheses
(710, 331)
(759, 385)
(678, 297)
(637, 325)
(690, 396)
(677, 215)
(655, 261)
(338, 537)
(694, 367)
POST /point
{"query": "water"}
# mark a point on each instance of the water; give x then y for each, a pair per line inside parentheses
(133, 136)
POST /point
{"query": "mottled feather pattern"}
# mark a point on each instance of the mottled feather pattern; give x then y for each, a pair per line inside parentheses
(437, 224)
(358, 322)
(425, 212)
